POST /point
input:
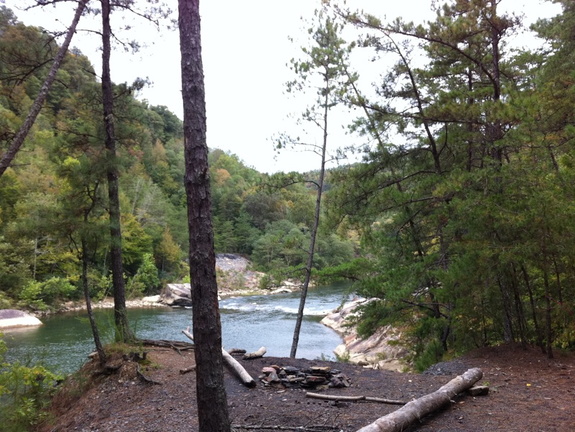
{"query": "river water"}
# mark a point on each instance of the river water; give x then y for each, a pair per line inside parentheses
(64, 341)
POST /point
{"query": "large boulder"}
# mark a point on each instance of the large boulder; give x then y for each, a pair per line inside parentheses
(177, 295)
(11, 318)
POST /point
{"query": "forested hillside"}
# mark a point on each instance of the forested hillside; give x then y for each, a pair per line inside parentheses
(54, 194)
(459, 219)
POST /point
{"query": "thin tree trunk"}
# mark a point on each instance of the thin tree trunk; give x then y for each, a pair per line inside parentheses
(548, 317)
(210, 390)
(313, 235)
(22, 133)
(519, 309)
(123, 332)
(538, 334)
(558, 280)
(86, 289)
(508, 334)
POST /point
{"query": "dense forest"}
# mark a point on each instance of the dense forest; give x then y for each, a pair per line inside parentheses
(458, 220)
(55, 189)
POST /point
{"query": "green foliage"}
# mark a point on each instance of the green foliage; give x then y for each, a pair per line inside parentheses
(49, 293)
(146, 280)
(352, 270)
(283, 245)
(429, 355)
(24, 392)
(461, 202)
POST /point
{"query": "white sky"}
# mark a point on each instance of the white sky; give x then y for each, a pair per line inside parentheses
(245, 53)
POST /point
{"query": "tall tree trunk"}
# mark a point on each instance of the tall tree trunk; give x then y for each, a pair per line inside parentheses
(22, 133)
(123, 332)
(210, 390)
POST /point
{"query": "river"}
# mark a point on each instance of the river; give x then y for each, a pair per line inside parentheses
(64, 341)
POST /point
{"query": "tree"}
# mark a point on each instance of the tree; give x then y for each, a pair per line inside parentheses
(20, 136)
(122, 325)
(210, 390)
(442, 198)
(326, 61)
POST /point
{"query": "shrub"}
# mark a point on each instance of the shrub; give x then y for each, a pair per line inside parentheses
(24, 393)
(42, 295)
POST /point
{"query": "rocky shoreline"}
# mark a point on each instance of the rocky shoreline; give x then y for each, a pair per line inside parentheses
(382, 350)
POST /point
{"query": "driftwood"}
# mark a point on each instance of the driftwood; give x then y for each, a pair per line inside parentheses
(242, 374)
(417, 409)
(354, 398)
(256, 354)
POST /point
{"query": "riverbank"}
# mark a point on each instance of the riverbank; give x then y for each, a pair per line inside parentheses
(235, 278)
(528, 392)
(13, 318)
(385, 349)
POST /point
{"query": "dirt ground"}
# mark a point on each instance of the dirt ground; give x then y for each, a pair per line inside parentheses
(527, 393)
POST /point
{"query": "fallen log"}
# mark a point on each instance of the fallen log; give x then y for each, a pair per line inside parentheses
(241, 373)
(256, 354)
(354, 398)
(417, 409)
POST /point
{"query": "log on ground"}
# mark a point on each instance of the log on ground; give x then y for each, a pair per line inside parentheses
(256, 354)
(242, 374)
(417, 409)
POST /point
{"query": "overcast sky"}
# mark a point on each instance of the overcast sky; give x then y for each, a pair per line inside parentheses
(246, 50)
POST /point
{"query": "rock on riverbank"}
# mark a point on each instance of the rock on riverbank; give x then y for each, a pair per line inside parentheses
(235, 278)
(12, 318)
(382, 350)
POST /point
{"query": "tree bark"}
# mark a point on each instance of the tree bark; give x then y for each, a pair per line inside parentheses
(22, 133)
(122, 327)
(210, 390)
(417, 409)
